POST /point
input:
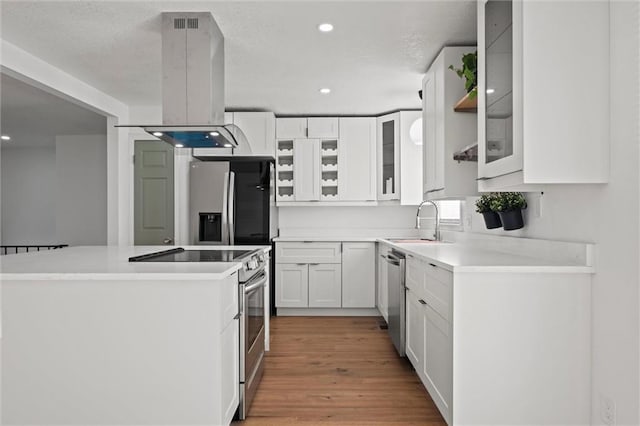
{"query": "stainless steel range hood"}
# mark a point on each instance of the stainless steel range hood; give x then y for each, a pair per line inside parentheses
(193, 84)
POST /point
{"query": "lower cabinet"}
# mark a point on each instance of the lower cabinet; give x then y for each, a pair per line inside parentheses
(326, 275)
(230, 370)
(325, 285)
(382, 281)
(303, 285)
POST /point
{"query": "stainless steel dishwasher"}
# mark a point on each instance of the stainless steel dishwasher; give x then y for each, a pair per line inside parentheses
(396, 300)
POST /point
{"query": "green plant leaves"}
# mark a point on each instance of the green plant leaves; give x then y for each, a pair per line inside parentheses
(469, 72)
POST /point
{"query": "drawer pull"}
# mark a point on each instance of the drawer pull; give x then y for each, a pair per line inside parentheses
(422, 302)
(301, 264)
(238, 315)
(433, 264)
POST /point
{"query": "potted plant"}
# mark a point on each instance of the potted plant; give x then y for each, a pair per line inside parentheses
(483, 206)
(469, 71)
(509, 206)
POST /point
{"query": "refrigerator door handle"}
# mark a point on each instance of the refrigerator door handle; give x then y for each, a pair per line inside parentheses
(225, 211)
(231, 207)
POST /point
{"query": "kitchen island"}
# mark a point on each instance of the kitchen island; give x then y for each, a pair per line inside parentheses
(90, 338)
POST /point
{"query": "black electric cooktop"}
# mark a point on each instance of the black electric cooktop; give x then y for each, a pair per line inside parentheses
(182, 255)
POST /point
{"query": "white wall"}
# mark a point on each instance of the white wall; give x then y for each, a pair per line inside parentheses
(28, 195)
(380, 221)
(81, 191)
(606, 215)
(25, 67)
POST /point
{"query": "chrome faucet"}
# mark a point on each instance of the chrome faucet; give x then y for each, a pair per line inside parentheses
(436, 235)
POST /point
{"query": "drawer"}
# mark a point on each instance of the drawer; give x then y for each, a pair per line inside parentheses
(437, 294)
(308, 252)
(438, 273)
(415, 275)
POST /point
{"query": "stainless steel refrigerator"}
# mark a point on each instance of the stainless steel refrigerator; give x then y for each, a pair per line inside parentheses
(232, 202)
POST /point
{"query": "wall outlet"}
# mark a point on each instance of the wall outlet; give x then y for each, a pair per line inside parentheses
(607, 410)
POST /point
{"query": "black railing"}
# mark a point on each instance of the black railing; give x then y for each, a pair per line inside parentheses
(28, 248)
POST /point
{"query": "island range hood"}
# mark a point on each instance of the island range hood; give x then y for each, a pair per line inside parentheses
(193, 84)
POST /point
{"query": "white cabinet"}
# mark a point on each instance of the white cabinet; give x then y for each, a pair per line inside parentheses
(259, 129)
(414, 329)
(445, 131)
(358, 275)
(325, 285)
(357, 159)
(382, 281)
(528, 132)
(326, 275)
(292, 285)
(306, 169)
(322, 127)
(291, 128)
(399, 158)
(388, 134)
(230, 371)
(437, 358)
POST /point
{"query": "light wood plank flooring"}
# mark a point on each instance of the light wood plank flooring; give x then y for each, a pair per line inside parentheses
(338, 371)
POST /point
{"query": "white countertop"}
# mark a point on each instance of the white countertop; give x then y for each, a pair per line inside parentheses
(460, 257)
(111, 262)
(325, 239)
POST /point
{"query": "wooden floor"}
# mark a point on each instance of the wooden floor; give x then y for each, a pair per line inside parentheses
(338, 371)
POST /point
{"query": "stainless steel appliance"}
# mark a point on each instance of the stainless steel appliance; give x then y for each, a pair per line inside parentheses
(232, 202)
(396, 299)
(253, 279)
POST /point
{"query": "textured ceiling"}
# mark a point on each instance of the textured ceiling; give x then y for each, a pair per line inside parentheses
(33, 117)
(275, 58)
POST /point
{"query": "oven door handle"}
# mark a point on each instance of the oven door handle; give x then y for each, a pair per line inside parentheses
(262, 282)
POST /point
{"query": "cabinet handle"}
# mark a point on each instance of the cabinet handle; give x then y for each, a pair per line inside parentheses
(238, 315)
(301, 264)
(433, 264)
(434, 190)
(422, 302)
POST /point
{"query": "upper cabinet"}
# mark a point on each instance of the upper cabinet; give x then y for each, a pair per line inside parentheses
(543, 101)
(258, 127)
(291, 128)
(357, 159)
(323, 127)
(399, 158)
(445, 131)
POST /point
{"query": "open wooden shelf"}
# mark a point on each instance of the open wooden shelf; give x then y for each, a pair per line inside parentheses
(467, 105)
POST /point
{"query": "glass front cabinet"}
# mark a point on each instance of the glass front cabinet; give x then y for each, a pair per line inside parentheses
(539, 121)
(388, 132)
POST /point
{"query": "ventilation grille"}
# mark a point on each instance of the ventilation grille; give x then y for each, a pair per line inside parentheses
(192, 23)
(179, 23)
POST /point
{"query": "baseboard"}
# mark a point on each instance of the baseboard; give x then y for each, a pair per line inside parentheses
(328, 312)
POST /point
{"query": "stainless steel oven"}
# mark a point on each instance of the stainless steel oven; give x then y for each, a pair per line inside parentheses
(252, 333)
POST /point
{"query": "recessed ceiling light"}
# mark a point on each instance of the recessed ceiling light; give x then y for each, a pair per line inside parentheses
(214, 134)
(325, 90)
(325, 28)
(179, 145)
(228, 145)
(157, 134)
(490, 91)
(5, 138)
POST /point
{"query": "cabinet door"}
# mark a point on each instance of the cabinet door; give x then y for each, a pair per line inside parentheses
(497, 156)
(259, 128)
(322, 127)
(382, 282)
(410, 165)
(414, 330)
(388, 135)
(292, 285)
(358, 275)
(230, 370)
(434, 122)
(437, 360)
(291, 128)
(357, 159)
(325, 285)
(306, 169)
